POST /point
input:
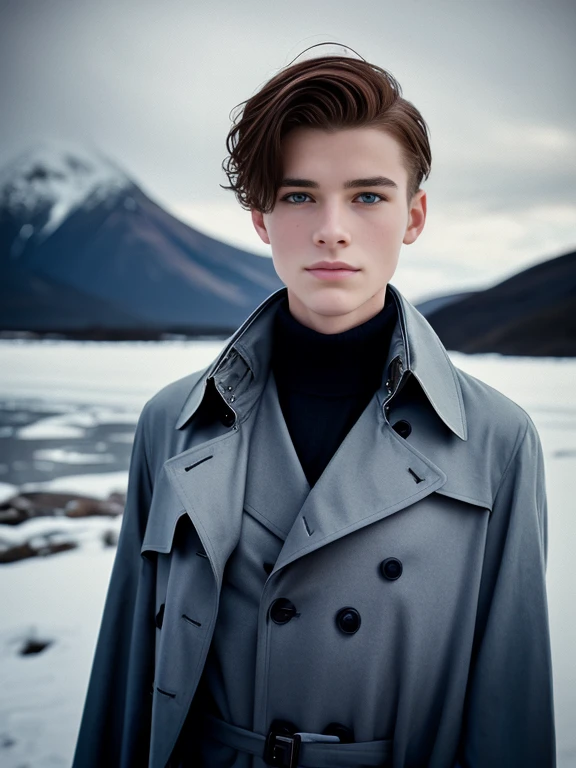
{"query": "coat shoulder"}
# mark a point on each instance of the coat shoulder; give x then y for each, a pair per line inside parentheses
(496, 423)
(167, 403)
(484, 402)
(160, 414)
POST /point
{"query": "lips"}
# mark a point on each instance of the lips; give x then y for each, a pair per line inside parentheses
(332, 271)
(338, 265)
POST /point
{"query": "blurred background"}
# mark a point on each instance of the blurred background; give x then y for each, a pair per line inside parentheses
(124, 266)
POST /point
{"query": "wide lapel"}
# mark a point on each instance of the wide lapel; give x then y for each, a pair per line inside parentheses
(206, 482)
(276, 485)
(209, 481)
(373, 474)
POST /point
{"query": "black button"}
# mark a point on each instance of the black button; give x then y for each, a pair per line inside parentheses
(282, 610)
(346, 735)
(268, 567)
(391, 568)
(160, 617)
(348, 620)
(403, 428)
(228, 417)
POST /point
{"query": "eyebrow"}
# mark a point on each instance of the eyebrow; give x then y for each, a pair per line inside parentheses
(372, 181)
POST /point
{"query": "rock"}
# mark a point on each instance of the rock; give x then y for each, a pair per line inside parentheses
(40, 548)
(110, 538)
(32, 645)
(86, 507)
(31, 504)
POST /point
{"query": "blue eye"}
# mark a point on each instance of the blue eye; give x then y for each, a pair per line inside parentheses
(373, 194)
(303, 194)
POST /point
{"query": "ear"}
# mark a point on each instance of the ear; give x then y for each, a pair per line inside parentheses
(259, 226)
(416, 217)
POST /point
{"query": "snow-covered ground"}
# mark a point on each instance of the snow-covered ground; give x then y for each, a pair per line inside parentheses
(59, 599)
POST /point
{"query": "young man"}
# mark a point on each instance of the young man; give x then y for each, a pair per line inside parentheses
(334, 545)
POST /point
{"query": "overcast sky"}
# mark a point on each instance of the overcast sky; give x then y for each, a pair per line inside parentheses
(153, 84)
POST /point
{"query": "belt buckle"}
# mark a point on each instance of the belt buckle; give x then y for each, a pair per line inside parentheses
(282, 746)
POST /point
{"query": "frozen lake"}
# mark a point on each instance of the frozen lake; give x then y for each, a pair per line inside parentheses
(67, 416)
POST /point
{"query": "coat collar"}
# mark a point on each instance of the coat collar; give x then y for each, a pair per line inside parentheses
(414, 347)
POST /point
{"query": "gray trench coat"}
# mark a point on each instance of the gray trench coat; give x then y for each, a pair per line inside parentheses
(453, 657)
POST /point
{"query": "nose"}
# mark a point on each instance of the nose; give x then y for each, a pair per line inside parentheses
(331, 229)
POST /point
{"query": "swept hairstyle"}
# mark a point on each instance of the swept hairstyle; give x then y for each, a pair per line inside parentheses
(330, 93)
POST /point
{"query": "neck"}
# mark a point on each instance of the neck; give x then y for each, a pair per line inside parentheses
(350, 361)
(336, 323)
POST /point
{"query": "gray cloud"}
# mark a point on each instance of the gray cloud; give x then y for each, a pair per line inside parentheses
(153, 85)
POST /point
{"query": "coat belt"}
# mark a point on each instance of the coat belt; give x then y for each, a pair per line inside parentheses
(315, 750)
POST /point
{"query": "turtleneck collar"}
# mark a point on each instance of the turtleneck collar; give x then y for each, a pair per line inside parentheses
(347, 363)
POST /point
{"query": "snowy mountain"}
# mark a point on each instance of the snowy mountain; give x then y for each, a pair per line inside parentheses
(84, 251)
(42, 187)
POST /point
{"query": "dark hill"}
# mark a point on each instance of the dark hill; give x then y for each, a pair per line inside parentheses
(531, 313)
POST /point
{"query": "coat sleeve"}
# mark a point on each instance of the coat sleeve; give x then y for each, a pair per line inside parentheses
(509, 711)
(115, 725)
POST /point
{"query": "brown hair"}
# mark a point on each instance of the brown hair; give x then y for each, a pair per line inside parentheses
(329, 93)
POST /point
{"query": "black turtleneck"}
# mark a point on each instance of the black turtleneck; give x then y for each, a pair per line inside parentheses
(325, 381)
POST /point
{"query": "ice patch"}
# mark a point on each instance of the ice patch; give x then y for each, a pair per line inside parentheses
(73, 457)
(7, 491)
(120, 437)
(99, 485)
(75, 423)
(40, 530)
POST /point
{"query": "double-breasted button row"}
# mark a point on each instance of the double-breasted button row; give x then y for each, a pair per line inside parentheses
(283, 610)
(348, 619)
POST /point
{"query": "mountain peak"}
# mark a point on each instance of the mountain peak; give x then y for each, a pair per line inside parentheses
(51, 179)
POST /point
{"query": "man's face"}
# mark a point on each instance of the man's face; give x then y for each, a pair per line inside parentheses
(363, 226)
